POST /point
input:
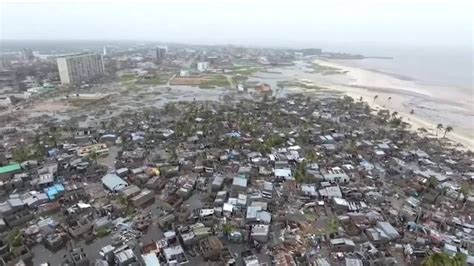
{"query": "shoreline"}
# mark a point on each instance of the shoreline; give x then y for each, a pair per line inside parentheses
(403, 96)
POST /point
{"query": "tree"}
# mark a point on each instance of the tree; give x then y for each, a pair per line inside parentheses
(375, 98)
(15, 239)
(443, 259)
(437, 259)
(93, 156)
(394, 114)
(422, 130)
(459, 259)
(21, 155)
(227, 229)
(361, 99)
(464, 190)
(448, 129)
(432, 182)
(438, 128)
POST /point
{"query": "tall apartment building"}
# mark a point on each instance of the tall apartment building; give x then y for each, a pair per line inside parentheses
(75, 69)
(160, 54)
(27, 54)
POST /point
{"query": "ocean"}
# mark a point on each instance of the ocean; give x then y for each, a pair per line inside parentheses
(446, 67)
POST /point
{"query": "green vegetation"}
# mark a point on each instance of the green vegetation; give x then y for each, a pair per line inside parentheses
(443, 259)
(156, 80)
(227, 229)
(103, 232)
(242, 73)
(326, 70)
(215, 81)
(132, 87)
(332, 226)
(127, 77)
(310, 216)
(15, 239)
(301, 175)
(239, 79)
(282, 84)
(21, 154)
(246, 70)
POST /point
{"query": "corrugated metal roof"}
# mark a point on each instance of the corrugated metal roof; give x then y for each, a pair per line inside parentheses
(10, 168)
(113, 182)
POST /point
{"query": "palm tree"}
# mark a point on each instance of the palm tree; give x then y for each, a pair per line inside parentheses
(437, 259)
(394, 114)
(93, 156)
(459, 259)
(389, 98)
(422, 130)
(375, 98)
(361, 99)
(464, 190)
(448, 129)
(438, 128)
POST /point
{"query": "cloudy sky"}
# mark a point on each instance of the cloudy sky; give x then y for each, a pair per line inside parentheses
(276, 23)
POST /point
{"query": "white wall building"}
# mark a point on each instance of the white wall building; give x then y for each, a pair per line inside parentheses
(75, 69)
(202, 66)
(5, 101)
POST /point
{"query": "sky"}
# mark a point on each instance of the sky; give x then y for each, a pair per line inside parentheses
(259, 23)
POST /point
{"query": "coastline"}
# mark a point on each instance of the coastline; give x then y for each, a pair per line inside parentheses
(403, 96)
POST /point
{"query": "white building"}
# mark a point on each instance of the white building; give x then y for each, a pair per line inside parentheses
(75, 69)
(5, 101)
(202, 66)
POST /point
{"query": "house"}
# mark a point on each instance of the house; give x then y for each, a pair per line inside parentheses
(156, 182)
(260, 233)
(284, 259)
(150, 259)
(130, 191)
(335, 174)
(257, 214)
(330, 192)
(239, 185)
(263, 88)
(34, 199)
(43, 181)
(76, 257)
(217, 183)
(80, 227)
(175, 255)
(7, 172)
(114, 183)
(342, 245)
(267, 190)
(122, 172)
(210, 248)
(283, 174)
(388, 230)
(143, 197)
(125, 257)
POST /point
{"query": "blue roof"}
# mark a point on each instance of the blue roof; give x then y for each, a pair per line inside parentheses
(59, 187)
(54, 190)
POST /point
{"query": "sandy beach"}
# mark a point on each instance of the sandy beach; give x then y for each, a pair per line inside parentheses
(431, 105)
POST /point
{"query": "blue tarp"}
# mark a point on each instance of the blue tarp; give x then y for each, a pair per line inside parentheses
(54, 190)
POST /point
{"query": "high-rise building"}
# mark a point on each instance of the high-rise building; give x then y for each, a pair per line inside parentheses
(27, 54)
(75, 69)
(160, 54)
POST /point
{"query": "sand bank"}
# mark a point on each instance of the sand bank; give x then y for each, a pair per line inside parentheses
(431, 105)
